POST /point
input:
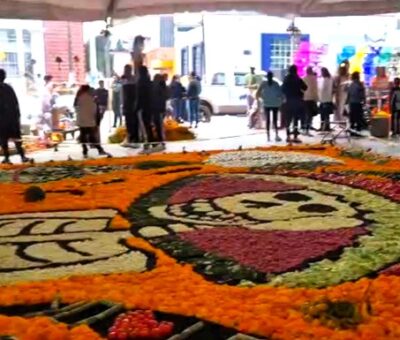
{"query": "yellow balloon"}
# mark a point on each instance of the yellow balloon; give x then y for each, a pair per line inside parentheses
(356, 63)
(2, 56)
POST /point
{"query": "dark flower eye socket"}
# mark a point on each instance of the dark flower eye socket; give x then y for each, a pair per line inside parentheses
(316, 208)
(292, 197)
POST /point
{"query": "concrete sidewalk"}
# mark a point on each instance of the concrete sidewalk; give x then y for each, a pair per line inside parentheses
(224, 132)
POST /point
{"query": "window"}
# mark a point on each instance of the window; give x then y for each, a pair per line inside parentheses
(240, 79)
(8, 36)
(8, 40)
(167, 31)
(10, 64)
(198, 59)
(281, 54)
(185, 61)
(218, 79)
(27, 39)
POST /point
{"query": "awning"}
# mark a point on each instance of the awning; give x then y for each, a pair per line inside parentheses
(89, 10)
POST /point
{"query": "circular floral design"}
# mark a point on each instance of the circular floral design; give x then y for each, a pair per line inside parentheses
(286, 230)
(256, 159)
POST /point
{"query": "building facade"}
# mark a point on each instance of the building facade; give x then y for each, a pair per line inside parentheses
(32, 48)
(64, 51)
(233, 42)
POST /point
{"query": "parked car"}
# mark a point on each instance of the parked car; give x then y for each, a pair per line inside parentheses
(225, 93)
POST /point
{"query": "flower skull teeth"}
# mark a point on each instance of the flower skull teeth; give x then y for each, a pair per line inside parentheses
(41, 246)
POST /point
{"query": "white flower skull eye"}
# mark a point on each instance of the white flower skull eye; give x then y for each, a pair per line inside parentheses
(292, 210)
(51, 245)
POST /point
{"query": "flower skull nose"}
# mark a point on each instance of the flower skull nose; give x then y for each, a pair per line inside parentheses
(316, 208)
(260, 205)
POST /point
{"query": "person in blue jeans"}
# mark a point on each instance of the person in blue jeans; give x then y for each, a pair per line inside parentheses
(177, 92)
(193, 94)
(272, 97)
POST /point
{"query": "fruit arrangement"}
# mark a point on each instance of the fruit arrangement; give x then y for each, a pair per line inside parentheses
(139, 325)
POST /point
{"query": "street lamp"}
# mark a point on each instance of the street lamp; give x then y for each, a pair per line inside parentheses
(295, 34)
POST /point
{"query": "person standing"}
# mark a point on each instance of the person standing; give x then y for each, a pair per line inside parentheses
(48, 97)
(116, 101)
(271, 94)
(101, 95)
(326, 99)
(87, 119)
(193, 94)
(10, 125)
(177, 92)
(101, 98)
(340, 88)
(143, 102)
(251, 84)
(159, 106)
(310, 101)
(395, 107)
(293, 88)
(128, 108)
(356, 100)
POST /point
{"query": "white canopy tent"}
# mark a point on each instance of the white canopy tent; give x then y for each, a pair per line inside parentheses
(90, 10)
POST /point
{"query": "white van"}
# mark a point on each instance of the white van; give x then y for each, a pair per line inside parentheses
(224, 93)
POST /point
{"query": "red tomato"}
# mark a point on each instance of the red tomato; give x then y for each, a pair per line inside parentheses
(122, 336)
(143, 333)
(152, 323)
(166, 328)
(112, 335)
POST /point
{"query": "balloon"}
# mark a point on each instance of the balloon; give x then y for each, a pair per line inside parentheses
(356, 63)
(346, 54)
(385, 56)
(369, 68)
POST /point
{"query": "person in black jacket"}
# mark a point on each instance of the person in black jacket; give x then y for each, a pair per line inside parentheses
(143, 101)
(193, 94)
(159, 105)
(128, 109)
(293, 88)
(177, 94)
(10, 125)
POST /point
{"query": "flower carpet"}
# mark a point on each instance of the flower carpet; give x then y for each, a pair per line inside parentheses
(270, 243)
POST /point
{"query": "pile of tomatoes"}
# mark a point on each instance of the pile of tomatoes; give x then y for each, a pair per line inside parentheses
(139, 325)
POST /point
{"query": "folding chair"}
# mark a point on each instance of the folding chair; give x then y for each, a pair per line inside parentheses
(339, 129)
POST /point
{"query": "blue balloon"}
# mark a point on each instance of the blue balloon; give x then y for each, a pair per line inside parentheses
(349, 50)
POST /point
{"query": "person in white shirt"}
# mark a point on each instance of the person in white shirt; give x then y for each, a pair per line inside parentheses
(87, 116)
(311, 100)
(326, 99)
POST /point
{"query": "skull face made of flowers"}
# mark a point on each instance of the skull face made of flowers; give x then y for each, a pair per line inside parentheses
(279, 209)
(256, 227)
